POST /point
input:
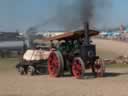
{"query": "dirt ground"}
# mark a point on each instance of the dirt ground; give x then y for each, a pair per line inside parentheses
(115, 83)
(111, 48)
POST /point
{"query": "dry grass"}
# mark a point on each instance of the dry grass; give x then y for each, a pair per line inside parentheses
(8, 64)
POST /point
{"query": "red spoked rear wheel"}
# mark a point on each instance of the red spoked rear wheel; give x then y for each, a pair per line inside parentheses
(78, 68)
(99, 68)
(55, 64)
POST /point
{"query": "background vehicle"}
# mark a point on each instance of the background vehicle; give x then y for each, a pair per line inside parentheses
(34, 61)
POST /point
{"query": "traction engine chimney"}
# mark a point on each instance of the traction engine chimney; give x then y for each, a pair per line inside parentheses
(86, 33)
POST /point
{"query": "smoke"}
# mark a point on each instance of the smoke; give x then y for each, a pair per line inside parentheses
(70, 15)
(74, 14)
(102, 14)
(30, 33)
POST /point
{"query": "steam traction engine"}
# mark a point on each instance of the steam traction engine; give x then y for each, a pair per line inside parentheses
(74, 53)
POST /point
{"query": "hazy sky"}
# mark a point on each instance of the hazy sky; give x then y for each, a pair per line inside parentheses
(22, 14)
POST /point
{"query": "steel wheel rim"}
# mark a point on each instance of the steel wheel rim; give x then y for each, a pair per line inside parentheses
(31, 70)
(21, 71)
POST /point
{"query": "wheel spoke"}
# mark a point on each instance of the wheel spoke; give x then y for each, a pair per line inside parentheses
(99, 68)
(78, 68)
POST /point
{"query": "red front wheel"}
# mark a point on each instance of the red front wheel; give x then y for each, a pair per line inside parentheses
(78, 68)
(55, 64)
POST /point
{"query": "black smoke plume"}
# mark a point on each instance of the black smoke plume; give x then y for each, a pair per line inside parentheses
(74, 14)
